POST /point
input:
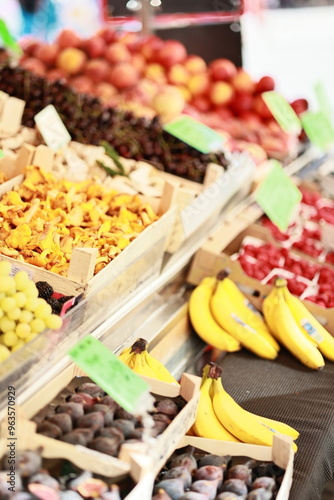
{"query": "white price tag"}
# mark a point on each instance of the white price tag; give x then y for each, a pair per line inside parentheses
(53, 130)
(327, 235)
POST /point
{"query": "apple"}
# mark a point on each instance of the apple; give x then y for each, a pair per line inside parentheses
(202, 103)
(95, 46)
(47, 54)
(195, 64)
(299, 106)
(185, 92)
(139, 62)
(117, 52)
(172, 52)
(105, 91)
(178, 75)
(261, 108)
(131, 40)
(97, 70)
(82, 84)
(168, 103)
(198, 84)
(34, 65)
(242, 101)
(150, 48)
(108, 34)
(29, 45)
(265, 84)
(56, 74)
(155, 72)
(242, 81)
(221, 93)
(68, 38)
(222, 70)
(71, 60)
(123, 75)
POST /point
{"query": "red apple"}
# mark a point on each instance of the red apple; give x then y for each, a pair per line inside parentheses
(139, 62)
(82, 84)
(56, 74)
(242, 101)
(168, 103)
(261, 108)
(108, 34)
(172, 52)
(242, 81)
(29, 45)
(34, 65)
(221, 93)
(178, 75)
(195, 64)
(97, 70)
(156, 73)
(71, 60)
(117, 52)
(222, 70)
(150, 48)
(95, 46)
(67, 38)
(123, 75)
(185, 92)
(47, 54)
(131, 40)
(198, 84)
(265, 84)
(105, 91)
(202, 103)
(299, 106)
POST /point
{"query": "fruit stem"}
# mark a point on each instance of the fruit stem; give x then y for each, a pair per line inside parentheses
(221, 275)
(139, 346)
(215, 371)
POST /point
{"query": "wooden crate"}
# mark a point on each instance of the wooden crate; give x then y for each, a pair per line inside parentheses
(156, 450)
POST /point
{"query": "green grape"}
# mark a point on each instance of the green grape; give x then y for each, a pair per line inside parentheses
(43, 310)
(4, 353)
(20, 299)
(14, 313)
(53, 321)
(7, 325)
(2, 295)
(10, 338)
(20, 343)
(5, 268)
(7, 284)
(37, 325)
(7, 304)
(30, 337)
(1, 313)
(32, 303)
(22, 330)
(26, 316)
(30, 290)
(22, 280)
(1, 338)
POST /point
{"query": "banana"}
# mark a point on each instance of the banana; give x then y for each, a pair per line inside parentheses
(141, 367)
(126, 355)
(159, 369)
(204, 324)
(278, 313)
(310, 326)
(231, 317)
(207, 424)
(246, 426)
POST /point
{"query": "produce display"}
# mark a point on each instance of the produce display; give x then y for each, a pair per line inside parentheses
(192, 474)
(56, 301)
(140, 361)
(45, 218)
(23, 314)
(223, 317)
(89, 417)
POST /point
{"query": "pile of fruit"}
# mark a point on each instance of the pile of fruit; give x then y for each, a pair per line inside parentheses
(58, 481)
(23, 315)
(89, 417)
(58, 302)
(152, 77)
(192, 474)
(223, 317)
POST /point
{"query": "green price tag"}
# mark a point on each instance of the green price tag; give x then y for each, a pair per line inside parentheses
(194, 133)
(282, 111)
(117, 379)
(2, 154)
(8, 39)
(318, 129)
(324, 103)
(278, 196)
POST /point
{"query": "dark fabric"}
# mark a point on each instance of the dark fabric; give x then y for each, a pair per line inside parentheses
(286, 390)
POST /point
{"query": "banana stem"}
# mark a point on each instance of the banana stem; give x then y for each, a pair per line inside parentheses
(139, 346)
(221, 275)
(215, 371)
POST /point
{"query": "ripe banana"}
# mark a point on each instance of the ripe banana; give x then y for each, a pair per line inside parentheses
(278, 313)
(126, 355)
(159, 369)
(204, 324)
(310, 326)
(230, 316)
(246, 426)
(207, 424)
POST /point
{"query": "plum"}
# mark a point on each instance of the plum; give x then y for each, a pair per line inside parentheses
(94, 420)
(161, 495)
(161, 417)
(208, 488)
(158, 428)
(217, 460)
(264, 482)
(240, 471)
(111, 432)
(49, 429)
(173, 487)
(109, 446)
(210, 473)
(45, 479)
(260, 494)
(236, 486)
(28, 462)
(123, 414)
(91, 389)
(182, 472)
(168, 407)
(126, 426)
(62, 420)
(75, 410)
(79, 436)
(186, 459)
(109, 401)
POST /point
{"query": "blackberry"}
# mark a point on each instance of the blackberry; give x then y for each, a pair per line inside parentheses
(55, 305)
(44, 289)
(65, 298)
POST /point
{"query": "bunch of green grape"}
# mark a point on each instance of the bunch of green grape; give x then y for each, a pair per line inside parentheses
(23, 315)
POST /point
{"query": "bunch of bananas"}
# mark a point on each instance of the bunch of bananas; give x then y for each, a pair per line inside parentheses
(141, 362)
(222, 316)
(220, 417)
(296, 328)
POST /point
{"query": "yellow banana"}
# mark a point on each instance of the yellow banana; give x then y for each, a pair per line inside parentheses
(246, 426)
(126, 355)
(228, 316)
(159, 369)
(141, 367)
(204, 324)
(276, 308)
(310, 326)
(207, 424)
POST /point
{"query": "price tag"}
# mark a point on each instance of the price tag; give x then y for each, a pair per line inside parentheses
(50, 125)
(278, 196)
(325, 105)
(8, 39)
(117, 379)
(283, 112)
(327, 235)
(318, 129)
(194, 133)
(2, 154)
